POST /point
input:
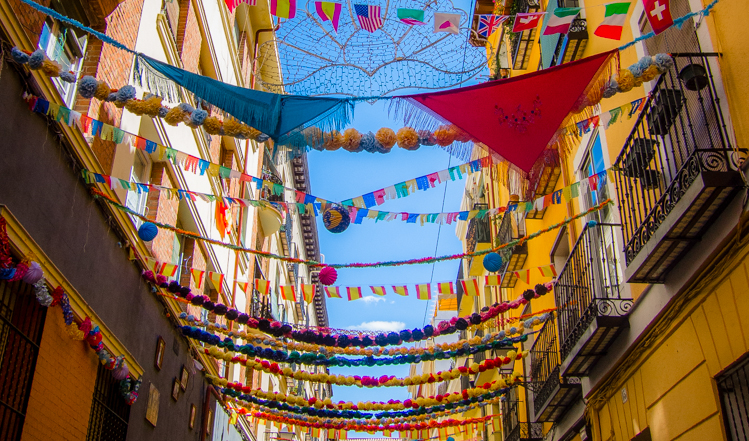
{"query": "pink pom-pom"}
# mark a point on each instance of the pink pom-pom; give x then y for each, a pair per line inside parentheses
(328, 276)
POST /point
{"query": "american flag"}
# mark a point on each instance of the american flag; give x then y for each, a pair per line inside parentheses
(369, 17)
(489, 23)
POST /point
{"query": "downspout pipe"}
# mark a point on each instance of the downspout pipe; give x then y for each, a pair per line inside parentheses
(257, 44)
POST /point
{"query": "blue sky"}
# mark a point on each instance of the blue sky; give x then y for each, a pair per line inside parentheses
(341, 175)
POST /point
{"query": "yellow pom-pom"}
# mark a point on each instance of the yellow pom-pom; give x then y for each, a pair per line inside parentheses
(102, 91)
(174, 116)
(407, 138)
(232, 127)
(650, 73)
(50, 68)
(444, 136)
(351, 140)
(332, 141)
(74, 332)
(386, 137)
(212, 125)
(151, 106)
(625, 80)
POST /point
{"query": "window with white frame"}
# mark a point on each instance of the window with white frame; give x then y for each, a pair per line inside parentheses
(67, 48)
(136, 200)
(592, 164)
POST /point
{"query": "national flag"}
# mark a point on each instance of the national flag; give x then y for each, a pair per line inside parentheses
(560, 20)
(493, 280)
(526, 21)
(444, 22)
(232, 4)
(659, 14)
(283, 8)
(613, 22)
(496, 425)
(333, 292)
(378, 290)
(488, 23)
(342, 434)
(288, 292)
(470, 287)
(167, 269)
(354, 293)
(197, 277)
(217, 279)
(548, 271)
(369, 17)
(401, 290)
(424, 291)
(308, 292)
(329, 11)
(243, 286)
(263, 286)
(152, 264)
(445, 288)
(524, 275)
(411, 16)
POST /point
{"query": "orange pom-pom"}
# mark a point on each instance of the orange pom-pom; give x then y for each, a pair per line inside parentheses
(212, 125)
(351, 140)
(174, 116)
(650, 73)
(407, 138)
(444, 136)
(332, 140)
(460, 135)
(625, 80)
(386, 137)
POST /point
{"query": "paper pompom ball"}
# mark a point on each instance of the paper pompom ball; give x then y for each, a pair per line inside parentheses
(162, 112)
(197, 117)
(369, 143)
(444, 136)
(328, 276)
(426, 138)
(336, 219)
(650, 73)
(645, 62)
(121, 372)
(36, 59)
(33, 274)
(174, 116)
(332, 141)
(386, 137)
(125, 93)
(313, 136)
(102, 90)
(112, 97)
(87, 86)
(625, 80)
(19, 56)
(68, 77)
(148, 231)
(460, 135)
(407, 138)
(663, 62)
(492, 262)
(612, 88)
(636, 70)
(212, 125)
(351, 140)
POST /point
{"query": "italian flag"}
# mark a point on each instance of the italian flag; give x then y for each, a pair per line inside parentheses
(613, 22)
(560, 20)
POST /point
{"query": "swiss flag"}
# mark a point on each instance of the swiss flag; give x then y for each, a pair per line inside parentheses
(523, 22)
(659, 14)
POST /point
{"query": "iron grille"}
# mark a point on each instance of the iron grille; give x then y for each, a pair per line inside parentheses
(479, 230)
(544, 364)
(260, 306)
(522, 43)
(109, 411)
(21, 326)
(733, 387)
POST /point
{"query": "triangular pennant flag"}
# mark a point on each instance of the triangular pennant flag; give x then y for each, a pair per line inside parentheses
(168, 269)
(401, 290)
(444, 22)
(424, 291)
(263, 286)
(288, 292)
(378, 290)
(411, 17)
(493, 280)
(470, 287)
(445, 288)
(354, 292)
(308, 292)
(342, 434)
(243, 286)
(548, 271)
(329, 11)
(524, 275)
(333, 292)
(217, 279)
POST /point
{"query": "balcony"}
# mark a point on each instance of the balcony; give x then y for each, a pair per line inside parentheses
(552, 393)
(522, 43)
(543, 180)
(514, 429)
(511, 228)
(588, 291)
(478, 238)
(260, 307)
(482, 7)
(677, 170)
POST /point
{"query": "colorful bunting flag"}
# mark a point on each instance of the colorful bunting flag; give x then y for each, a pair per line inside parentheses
(524, 275)
(263, 286)
(369, 17)
(378, 290)
(411, 16)
(548, 271)
(329, 11)
(197, 277)
(217, 279)
(288, 292)
(343, 434)
(613, 22)
(658, 13)
(168, 269)
(308, 292)
(560, 20)
(424, 291)
(445, 288)
(493, 280)
(283, 8)
(333, 292)
(527, 21)
(243, 286)
(470, 287)
(232, 4)
(354, 293)
(444, 22)
(488, 23)
(401, 290)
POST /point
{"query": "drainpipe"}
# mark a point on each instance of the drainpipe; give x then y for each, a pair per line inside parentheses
(239, 231)
(257, 43)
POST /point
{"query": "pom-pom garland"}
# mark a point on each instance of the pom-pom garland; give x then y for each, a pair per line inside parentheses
(36, 59)
(386, 138)
(148, 231)
(407, 138)
(33, 274)
(351, 140)
(646, 69)
(19, 56)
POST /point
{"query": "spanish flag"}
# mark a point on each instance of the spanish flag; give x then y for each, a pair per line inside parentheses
(333, 292)
(197, 277)
(378, 290)
(548, 271)
(354, 292)
(288, 292)
(217, 279)
(308, 292)
(342, 434)
(496, 425)
(493, 280)
(470, 287)
(401, 290)
(445, 288)
(524, 275)
(168, 269)
(263, 286)
(424, 291)
(243, 286)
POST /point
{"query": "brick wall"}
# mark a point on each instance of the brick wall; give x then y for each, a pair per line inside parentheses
(63, 387)
(162, 209)
(189, 38)
(30, 19)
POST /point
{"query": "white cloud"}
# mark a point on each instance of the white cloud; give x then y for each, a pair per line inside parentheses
(392, 302)
(379, 326)
(371, 299)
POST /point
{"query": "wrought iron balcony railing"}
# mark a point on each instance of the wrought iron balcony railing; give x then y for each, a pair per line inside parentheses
(479, 230)
(680, 136)
(522, 43)
(526, 432)
(589, 284)
(259, 306)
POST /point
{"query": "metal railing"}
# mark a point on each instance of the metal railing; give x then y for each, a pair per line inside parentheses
(589, 284)
(544, 364)
(679, 134)
(479, 230)
(260, 306)
(526, 431)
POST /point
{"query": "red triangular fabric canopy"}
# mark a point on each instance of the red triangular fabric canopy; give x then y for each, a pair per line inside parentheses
(518, 118)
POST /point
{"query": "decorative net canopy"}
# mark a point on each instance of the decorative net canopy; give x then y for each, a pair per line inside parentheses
(317, 60)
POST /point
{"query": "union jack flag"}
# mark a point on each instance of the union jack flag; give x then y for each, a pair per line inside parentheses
(369, 17)
(489, 23)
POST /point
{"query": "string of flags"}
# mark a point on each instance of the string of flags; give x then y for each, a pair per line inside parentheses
(605, 119)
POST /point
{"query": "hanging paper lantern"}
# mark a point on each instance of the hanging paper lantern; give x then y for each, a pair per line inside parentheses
(33, 274)
(493, 262)
(336, 219)
(148, 231)
(328, 276)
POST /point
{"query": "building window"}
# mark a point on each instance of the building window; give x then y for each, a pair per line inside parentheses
(594, 164)
(109, 411)
(136, 200)
(62, 45)
(733, 388)
(21, 325)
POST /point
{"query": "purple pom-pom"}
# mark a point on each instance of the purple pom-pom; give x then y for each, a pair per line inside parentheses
(87, 86)
(19, 56)
(36, 59)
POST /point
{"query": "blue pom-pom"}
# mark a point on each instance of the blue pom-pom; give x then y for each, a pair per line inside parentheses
(663, 62)
(262, 137)
(592, 223)
(636, 70)
(67, 77)
(186, 108)
(198, 116)
(87, 86)
(163, 111)
(148, 231)
(645, 62)
(493, 262)
(612, 88)
(7, 273)
(336, 219)
(369, 143)
(19, 56)
(125, 93)
(112, 97)
(37, 59)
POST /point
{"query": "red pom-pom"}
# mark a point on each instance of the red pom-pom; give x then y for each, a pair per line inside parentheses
(328, 276)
